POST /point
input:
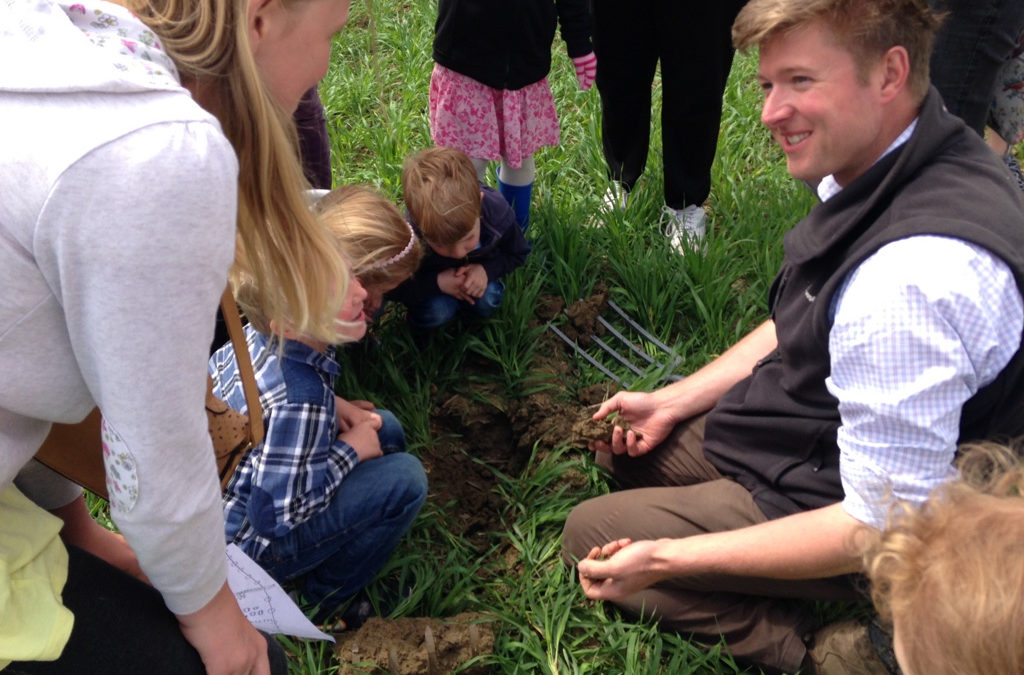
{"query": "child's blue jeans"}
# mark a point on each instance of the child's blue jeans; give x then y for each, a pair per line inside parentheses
(390, 434)
(340, 549)
(441, 309)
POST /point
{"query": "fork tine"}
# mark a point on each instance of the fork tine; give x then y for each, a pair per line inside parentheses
(639, 329)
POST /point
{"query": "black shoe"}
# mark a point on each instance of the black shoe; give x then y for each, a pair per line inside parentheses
(351, 613)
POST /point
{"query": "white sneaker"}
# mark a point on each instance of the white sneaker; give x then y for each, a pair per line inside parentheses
(685, 228)
(616, 197)
(615, 200)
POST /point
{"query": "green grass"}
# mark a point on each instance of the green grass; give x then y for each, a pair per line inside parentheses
(376, 99)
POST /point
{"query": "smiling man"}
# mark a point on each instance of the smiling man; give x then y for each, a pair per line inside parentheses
(894, 334)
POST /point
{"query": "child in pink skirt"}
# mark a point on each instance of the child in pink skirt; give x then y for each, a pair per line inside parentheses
(489, 94)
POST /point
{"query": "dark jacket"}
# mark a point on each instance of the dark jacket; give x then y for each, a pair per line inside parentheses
(775, 432)
(502, 249)
(507, 44)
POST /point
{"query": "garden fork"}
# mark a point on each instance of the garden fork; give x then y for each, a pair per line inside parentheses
(633, 357)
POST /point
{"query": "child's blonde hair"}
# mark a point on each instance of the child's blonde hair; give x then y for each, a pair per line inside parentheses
(951, 574)
(371, 233)
(367, 230)
(299, 278)
(442, 194)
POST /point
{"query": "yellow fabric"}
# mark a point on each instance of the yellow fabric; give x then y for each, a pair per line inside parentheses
(34, 624)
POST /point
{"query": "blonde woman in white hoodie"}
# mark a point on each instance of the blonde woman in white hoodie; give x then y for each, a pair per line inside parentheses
(147, 151)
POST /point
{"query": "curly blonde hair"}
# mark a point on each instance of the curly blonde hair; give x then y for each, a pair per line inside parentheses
(299, 278)
(951, 574)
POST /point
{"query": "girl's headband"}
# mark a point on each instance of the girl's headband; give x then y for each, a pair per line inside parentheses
(401, 254)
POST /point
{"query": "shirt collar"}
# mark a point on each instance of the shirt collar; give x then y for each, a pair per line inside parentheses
(297, 351)
(828, 187)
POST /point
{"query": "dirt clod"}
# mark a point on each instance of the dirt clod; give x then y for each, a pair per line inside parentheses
(416, 645)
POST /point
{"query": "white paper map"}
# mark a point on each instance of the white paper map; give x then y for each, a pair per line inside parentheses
(264, 602)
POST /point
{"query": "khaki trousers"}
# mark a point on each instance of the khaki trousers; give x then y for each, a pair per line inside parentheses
(674, 492)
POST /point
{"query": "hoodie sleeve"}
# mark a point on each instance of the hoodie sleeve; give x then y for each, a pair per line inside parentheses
(511, 248)
(574, 20)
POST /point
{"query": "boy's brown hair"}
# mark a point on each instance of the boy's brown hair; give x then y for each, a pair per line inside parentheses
(865, 28)
(442, 194)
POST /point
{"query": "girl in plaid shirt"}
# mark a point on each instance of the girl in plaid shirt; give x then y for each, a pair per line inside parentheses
(308, 504)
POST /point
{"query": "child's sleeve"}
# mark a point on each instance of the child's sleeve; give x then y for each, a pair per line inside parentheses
(574, 20)
(512, 248)
(299, 467)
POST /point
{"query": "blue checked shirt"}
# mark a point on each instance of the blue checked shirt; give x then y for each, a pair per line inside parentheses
(299, 466)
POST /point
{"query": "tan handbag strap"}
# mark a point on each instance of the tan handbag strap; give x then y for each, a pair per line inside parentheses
(229, 310)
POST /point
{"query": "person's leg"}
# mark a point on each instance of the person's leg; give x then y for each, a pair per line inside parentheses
(480, 164)
(695, 64)
(759, 618)
(433, 313)
(626, 62)
(391, 434)
(680, 494)
(975, 40)
(340, 549)
(122, 627)
(490, 301)
(516, 186)
(314, 143)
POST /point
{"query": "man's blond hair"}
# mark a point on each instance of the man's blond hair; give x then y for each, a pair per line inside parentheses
(865, 28)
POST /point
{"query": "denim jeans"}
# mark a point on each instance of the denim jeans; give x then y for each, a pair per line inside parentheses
(975, 40)
(340, 549)
(391, 434)
(441, 309)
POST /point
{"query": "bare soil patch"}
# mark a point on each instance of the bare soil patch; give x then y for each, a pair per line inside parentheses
(477, 428)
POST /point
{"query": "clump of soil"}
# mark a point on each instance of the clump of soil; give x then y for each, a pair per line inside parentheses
(582, 314)
(586, 429)
(416, 645)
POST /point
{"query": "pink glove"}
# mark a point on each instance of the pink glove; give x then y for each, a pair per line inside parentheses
(586, 70)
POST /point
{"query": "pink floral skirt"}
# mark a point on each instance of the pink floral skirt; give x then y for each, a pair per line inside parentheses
(491, 123)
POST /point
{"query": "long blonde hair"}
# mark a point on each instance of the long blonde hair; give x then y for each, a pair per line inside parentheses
(300, 275)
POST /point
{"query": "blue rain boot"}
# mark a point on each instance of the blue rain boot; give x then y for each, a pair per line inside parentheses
(518, 197)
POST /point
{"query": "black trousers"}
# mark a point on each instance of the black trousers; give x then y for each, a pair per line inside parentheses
(122, 627)
(693, 42)
(314, 143)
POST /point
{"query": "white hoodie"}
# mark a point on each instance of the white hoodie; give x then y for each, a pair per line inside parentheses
(118, 199)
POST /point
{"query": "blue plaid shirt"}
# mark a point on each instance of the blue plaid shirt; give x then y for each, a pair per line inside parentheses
(299, 466)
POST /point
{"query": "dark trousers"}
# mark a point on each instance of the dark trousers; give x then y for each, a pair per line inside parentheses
(314, 143)
(122, 627)
(975, 40)
(693, 42)
(675, 492)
